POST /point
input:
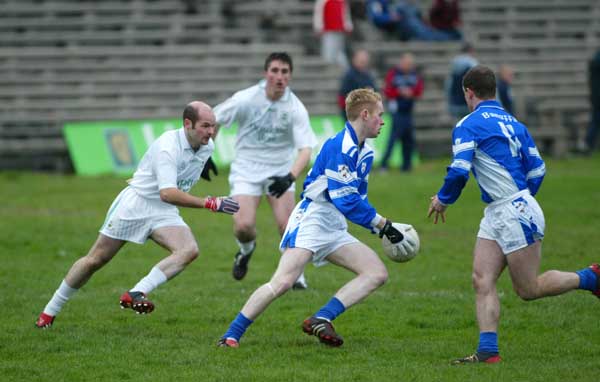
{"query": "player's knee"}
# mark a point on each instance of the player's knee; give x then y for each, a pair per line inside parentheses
(526, 294)
(481, 284)
(379, 277)
(97, 257)
(281, 285)
(94, 262)
(190, 253)
(245, 231)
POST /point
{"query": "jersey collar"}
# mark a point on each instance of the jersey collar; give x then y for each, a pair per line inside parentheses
(489, 103)
(352, 133)
(183, 139)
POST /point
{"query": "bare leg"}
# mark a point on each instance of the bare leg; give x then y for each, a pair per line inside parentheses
(244, 221)
(103, 250)
(368, 267)
(524, 267)
(282, 209)
(244, 229)
(291, 264)
(488, 264)
(180, 242)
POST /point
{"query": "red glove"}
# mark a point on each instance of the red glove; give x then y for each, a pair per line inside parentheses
(223, 204)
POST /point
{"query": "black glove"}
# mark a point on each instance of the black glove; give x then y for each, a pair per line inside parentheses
(391, 233)
(209, 165)
(280, 184)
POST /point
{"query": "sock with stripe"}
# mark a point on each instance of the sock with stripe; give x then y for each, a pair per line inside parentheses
(238, 327)
(331, 310)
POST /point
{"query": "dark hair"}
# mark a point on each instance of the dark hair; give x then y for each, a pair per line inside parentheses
(482, 81)
(190, 113)
(279, 56)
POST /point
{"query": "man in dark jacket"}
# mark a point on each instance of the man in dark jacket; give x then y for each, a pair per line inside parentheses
(403, 85)
(358, 76)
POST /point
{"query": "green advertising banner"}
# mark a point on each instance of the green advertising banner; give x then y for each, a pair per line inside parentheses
(117, 146)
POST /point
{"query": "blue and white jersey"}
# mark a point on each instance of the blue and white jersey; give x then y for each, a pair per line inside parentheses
(340, 175)
(498, 150)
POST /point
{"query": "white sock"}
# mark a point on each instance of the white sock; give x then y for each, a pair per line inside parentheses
(60, 297)
(246, 247)
(146, 285)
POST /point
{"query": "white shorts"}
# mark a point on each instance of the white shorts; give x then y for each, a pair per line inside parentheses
(318, 227)
(252, 178)
(132, 217)
(514, 222)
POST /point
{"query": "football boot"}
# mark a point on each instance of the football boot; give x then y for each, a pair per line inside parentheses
(136, 301)
(228, 343)
(322, 329)
(44, 321)
(240, 264)
(479, 357)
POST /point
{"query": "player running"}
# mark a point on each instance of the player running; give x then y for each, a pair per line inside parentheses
(273, 127)
(509, 170)
(334, 190)
(147, 208)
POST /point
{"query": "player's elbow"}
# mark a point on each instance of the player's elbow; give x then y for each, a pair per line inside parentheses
(305, 153)
(167, 195)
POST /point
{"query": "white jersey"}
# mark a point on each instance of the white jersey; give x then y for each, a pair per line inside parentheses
(170, 162)
(269, 132)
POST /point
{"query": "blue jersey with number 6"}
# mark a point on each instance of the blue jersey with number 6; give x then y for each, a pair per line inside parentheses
(499, 151)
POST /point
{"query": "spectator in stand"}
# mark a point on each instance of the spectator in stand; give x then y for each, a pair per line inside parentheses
(384, 15)
(444, 15)
(404, 18)
(460, 65)
(403, 85)
(594, 81)
(505, 79)
(332, 21)
(357, 77)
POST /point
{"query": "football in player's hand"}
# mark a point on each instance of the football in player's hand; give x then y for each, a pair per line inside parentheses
(404, 250)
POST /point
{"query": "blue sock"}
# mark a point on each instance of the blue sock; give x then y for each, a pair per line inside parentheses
(331, 310)
(587, 279)
(238, 327)
(488, 343)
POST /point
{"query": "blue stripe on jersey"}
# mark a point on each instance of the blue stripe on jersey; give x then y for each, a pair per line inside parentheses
(498, 150)
(340, 176)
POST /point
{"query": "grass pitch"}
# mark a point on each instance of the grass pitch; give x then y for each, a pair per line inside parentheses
(408, 330)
